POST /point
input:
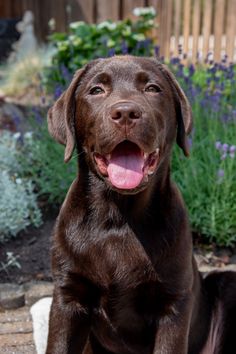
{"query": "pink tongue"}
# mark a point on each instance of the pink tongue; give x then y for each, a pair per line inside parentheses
(125, 166)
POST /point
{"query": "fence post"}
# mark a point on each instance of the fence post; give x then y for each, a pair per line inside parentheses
(231, 29)
(107, 10)
(218, 28)
(196, 29)
(177, 25)
(186, 25)
(207, 21)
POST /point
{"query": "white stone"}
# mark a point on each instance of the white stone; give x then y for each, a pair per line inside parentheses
(40, 316)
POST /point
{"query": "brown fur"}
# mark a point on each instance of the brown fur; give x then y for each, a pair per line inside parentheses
(124, 274)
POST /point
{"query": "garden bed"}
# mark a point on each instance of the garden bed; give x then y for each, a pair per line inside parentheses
(31, 250)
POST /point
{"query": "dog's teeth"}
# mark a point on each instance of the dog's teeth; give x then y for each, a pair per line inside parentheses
(150, 173)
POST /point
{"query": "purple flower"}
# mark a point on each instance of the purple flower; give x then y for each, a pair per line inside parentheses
(191, 69)
(124, 48)
(225, 148)
(218, 145)
(157, 51)
(16, 119)
(67, 76)
(220, 173)
(37, 115)
(225, 118)
(223, 156)
(190, 142)
(175, 60)
(57, 92)
(111, 52)
(232, 150)
(43, 100)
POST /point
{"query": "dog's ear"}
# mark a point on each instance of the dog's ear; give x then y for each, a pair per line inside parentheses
(61, 117)
(183, 111)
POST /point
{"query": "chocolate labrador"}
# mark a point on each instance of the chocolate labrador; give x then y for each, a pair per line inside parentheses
(124, 274)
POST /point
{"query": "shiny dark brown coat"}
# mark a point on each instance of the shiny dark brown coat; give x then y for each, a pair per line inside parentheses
(124, 274)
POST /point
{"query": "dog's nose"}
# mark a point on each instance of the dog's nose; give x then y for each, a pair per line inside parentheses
(125, 113)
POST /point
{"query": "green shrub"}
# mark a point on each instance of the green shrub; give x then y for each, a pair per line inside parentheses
(42, 161)
(89, 41)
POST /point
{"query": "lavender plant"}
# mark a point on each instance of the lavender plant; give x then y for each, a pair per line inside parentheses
(208, 178)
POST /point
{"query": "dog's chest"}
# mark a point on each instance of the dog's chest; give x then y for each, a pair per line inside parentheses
(131, 303)
(132, 291)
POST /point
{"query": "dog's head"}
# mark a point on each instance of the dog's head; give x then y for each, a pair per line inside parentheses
(124, 113)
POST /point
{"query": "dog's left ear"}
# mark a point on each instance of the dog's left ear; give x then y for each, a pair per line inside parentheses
(61, 117)
(183, 111)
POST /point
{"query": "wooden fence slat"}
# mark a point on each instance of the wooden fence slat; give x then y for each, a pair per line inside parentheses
(60, 15)
(14, 7)
(86, 9)
(128, 7)
(218, 28)
(162, 27)
(168, 28)
(207, 20)
(231, 29)
(196, 28)
(7, 8)
(157, 4)
(177, 25)
(186, 25)
(107, 10)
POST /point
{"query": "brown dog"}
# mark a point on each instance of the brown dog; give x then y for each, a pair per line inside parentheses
(125, 278)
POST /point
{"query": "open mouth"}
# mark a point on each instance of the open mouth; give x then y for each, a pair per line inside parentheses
(127, 166)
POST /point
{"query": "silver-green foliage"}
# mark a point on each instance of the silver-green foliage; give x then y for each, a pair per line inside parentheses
(18, 201)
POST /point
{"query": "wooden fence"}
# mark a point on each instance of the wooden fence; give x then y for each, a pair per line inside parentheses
(199, 26)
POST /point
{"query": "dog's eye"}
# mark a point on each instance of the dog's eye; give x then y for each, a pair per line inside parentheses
(96, 90)
(152, 88)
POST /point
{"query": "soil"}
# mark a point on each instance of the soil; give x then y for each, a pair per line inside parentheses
(32, 251)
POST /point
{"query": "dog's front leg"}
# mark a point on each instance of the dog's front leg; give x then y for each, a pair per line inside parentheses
(69, 327)
(173, 332)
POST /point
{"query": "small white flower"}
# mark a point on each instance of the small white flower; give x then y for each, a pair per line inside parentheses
(75, 25)
(142, 11)
(28, 135)
(108, 25)
(18, 181)
(52, 24)
(16, 135)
